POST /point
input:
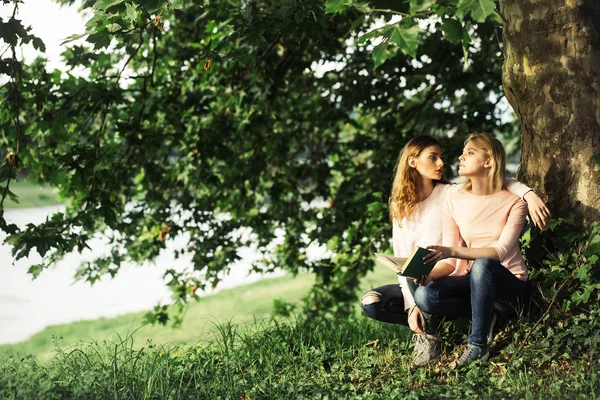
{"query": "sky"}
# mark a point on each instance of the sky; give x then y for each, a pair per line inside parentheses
(50, 22)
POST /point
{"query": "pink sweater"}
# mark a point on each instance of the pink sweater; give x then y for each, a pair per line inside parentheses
(493, 221)
(424, 227)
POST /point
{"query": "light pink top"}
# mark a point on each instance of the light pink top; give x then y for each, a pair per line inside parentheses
(493, 221)
(424, 227)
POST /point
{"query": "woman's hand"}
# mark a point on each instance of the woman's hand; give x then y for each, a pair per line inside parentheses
(416, 321)
(423, 280)
(438, 253)
(537, 209)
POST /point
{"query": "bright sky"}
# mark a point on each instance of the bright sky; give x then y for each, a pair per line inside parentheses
(50, 22)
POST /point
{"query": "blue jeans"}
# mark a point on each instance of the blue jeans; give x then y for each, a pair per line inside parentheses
(386, 304)
(472, 295)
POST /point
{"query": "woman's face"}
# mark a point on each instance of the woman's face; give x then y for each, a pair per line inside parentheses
(473, 160)
(430, 163)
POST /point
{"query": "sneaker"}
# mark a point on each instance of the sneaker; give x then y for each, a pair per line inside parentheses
(490, 337)
(472, 354)
(427, 349)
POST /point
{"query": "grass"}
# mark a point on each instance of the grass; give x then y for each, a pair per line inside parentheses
(240, 305)
(296, 358)
(31, 195)
(231, 347)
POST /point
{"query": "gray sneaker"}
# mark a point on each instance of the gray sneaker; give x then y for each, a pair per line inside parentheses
(472, 354)
(427, 349)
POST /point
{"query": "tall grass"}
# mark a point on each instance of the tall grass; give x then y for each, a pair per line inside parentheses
(260, 356)
(295, 358)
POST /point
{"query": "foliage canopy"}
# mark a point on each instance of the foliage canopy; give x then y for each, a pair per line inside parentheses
(229, 123)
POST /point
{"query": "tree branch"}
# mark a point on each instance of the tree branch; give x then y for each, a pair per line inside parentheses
(262, 57)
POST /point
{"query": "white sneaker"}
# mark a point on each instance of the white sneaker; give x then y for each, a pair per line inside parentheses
(427, 349)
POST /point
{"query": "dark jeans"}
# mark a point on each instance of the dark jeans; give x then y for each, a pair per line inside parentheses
(386, 304)
(472, 296)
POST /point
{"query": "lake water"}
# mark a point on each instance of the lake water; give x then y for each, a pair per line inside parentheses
(28, 306)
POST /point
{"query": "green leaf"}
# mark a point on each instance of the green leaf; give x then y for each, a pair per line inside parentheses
(12, 30)
(335, 6)
(104, 4)
(419, 5)
(99, 39)
(38, 44)
(13, 197)
(116, 9)
(479, 9)
(442, 11)
(382, 52)
(453, 30)
(583, 272)
(151, 5)
(73, 38)
(466, 40)
(362, 7)
(408, 40)
(496, 18)
(177, 4)
(132, 13)
(35, 270)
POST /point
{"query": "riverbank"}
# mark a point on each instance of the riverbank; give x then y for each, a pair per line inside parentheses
(239, 305)
(31, 195)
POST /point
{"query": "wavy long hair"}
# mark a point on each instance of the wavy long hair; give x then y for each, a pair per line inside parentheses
(494, 150)
(405, 189)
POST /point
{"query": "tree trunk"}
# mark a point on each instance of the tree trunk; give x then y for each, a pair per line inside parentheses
(551, 77)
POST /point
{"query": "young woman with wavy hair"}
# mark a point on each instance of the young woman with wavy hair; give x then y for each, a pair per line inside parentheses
(480, 260)
(418, 193)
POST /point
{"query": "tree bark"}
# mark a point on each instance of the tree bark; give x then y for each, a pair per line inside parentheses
(551, 77)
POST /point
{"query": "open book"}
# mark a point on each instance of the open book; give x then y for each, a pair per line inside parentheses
(412, 267)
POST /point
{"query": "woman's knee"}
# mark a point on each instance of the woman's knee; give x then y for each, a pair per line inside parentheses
(425, 299)
(370, 303)
(480, 268)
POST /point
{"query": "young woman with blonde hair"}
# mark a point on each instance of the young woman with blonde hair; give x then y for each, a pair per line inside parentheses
(418, 194)
(480, 258)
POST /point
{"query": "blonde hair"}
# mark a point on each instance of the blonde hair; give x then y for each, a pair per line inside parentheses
(495, 151)
(405, 190)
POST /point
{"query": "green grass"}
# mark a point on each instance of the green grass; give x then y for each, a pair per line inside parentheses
(296, 358)
(243, 304)
(231, 347)
(31, 195)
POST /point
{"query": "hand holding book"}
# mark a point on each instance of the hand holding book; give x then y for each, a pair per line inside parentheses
(413, 267)
(437, 253)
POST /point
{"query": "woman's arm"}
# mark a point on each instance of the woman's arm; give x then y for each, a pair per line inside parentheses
(402, 244)
(509, 238)
(540, 214)
(515, 187)
(441, 269)
(464, 253)
(450, 239)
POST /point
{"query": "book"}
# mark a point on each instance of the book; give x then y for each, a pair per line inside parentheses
(412, 267)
